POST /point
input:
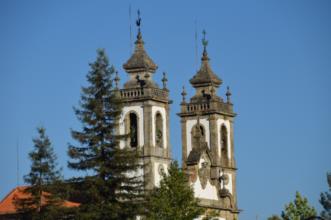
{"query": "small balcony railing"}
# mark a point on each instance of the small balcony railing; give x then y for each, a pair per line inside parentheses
(141, 93)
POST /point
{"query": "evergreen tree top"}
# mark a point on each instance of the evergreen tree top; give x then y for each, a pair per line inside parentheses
(44, 167)
(174, 199)
(298, 209)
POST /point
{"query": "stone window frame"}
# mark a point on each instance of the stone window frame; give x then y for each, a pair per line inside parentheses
(203, 133)
(127, 128)
(226, 154)
(158, 115)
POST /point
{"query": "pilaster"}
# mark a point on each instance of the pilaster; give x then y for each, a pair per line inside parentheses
(147, 128)
(184, 142)
(213, 131)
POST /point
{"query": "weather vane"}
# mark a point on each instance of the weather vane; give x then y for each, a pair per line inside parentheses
(204, 41)
(138, 21)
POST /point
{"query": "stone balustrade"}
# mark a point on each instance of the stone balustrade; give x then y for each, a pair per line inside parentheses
(142, 93)
(207, 107)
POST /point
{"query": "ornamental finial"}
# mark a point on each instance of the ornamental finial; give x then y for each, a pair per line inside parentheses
(183, 94)
(138, 23)
(164, 80)
(228, 95)
(204, 43)
(116, 79)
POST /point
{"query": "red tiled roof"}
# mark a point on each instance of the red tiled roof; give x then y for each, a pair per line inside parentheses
(7, 205)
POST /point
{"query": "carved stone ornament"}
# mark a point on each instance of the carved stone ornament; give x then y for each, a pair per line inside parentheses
(224, 193)
(159, 136)
(226, 198)
(227, 202)
(193, 173)
(225, 179)
(204, 174)
(160, 169)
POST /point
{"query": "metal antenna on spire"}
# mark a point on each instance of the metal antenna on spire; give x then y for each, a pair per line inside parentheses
(130, 20)
(196, 44)
(17, 164)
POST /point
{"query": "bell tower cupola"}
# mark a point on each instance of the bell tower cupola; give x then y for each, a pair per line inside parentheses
(145, 114)
(140, 66)
(208, 141)
(205, 81)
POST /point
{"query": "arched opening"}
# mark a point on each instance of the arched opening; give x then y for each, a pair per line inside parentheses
(224, 144)
(133, 129)
(197, 135)
(159, 133)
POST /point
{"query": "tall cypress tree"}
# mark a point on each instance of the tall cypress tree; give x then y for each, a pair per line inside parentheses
(112, 188)
(43, 201)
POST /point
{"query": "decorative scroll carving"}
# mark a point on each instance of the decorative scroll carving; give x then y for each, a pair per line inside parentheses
(204, 174)
(224, 193)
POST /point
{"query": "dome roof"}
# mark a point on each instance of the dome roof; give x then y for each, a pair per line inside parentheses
(205, 75)
(140, 61)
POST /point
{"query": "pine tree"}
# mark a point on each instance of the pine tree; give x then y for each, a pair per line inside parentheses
(299, 209)
(326, 201)
(42, 179)
(112, 187)
(174, 199)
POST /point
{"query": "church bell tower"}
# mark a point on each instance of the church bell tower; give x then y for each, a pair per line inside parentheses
(145, 114)
(207, 142)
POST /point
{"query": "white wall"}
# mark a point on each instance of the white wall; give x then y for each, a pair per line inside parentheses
(209, 192)
(155, 110)
(226, 123)
(140, 113)
(189, 125)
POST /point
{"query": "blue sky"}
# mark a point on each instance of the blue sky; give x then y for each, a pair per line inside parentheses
(275, 55)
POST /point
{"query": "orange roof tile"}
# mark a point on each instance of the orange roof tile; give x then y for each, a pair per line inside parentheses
(7, 205)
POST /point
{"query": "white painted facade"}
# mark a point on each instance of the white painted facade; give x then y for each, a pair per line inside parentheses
(139, 111)
(226, 123)
(189, 125)
(162, 111)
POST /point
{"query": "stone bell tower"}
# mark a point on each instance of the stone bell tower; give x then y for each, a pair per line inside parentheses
(207, 142)
(145, 113)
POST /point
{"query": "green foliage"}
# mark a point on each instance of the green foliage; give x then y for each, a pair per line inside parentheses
(174, 199)
(325, 201)
(42, 179)
(274, 217)
(112, 188)
(211, 215)
(299, 209)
